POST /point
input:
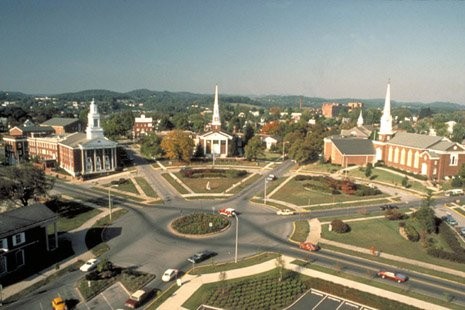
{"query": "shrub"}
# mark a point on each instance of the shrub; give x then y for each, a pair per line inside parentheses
(340, 227)
(363, 190)
(393, 215)
(411, 232)
(456, 182)
(92, 276)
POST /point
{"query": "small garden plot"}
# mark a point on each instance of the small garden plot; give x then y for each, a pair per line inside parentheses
(210, 180)
(199, 224)
(304, 190)
(263, 291)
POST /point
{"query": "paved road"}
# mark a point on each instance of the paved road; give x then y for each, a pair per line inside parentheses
(142, 238)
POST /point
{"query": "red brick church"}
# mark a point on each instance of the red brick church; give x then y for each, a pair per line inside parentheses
(432, 156)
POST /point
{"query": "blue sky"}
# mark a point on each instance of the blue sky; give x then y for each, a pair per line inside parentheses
(329, 49)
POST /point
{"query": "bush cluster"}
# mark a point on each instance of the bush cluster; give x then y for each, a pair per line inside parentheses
(120, 181)
(339, 226)
(327, 184)
(212, 173)
(199, 223)
(412, 233)
(393, 215)
(458, 254)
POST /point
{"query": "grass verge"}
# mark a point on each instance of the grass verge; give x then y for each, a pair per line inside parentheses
(245, 262)
(301, 230)
(175, 184)
(148, 190)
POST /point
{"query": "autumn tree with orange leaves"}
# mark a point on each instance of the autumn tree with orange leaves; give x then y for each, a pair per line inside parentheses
(178, 145)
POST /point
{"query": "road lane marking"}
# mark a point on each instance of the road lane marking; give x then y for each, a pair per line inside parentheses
(106, 300)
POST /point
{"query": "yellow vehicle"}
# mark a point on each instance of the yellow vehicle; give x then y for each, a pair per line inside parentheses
(59, 304)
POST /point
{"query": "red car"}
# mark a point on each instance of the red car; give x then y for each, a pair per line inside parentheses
(308, 246)
(229, 212)
(394, 276)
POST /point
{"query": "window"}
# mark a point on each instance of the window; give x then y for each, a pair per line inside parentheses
(409, 158)
(3, 264)
(402, 157)
(396, 155)
(3, 243)
(416, 162)
(20, 258)
(454, 159)
(19, 239)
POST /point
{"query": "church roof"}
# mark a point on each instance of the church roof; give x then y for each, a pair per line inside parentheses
(58, 121)
(349, 146)
(416, 140)
(80, 139)
(219, 132)
(359, 131)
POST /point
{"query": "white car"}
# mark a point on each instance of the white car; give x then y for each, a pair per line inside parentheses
(169, 275)
(89, 265)
(285, 212)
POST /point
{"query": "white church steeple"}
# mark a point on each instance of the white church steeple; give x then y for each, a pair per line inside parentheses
(216, 123)
(385, 128)
(360, 119)
(93, 129)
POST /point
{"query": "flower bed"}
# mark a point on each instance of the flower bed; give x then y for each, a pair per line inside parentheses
(199, 224)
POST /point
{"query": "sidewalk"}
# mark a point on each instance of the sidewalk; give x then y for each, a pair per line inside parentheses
(193, 283)
(77, 238)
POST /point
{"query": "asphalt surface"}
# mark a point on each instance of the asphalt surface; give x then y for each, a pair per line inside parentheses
(142, 239)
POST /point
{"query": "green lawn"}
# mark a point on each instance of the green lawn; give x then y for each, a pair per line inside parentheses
(148, 190)
(301, 230)
(71, 214)
(128, 186)
(384, 236)
(217, 185)
(175, 184)
(319, 167)
(249, 181)
(387, 177)
(294, 192)
(212, 267)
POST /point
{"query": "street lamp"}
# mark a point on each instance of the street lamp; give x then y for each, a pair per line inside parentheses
(284, 143)
(237, 235)
(109, 198)
(264, 197)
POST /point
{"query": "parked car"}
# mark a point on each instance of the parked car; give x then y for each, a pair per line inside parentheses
(285, 212)
(449, 220)
(308, 246)
(201, 256)
(90, 265)
(394, 276)
(138, 298)
(169, 275)
(229, 212)
(388, 207)
(59, 303)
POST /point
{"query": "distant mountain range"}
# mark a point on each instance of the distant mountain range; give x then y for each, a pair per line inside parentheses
(166, 97)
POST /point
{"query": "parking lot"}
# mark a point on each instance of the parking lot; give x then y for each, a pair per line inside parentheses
(113, 297)
(319, 300)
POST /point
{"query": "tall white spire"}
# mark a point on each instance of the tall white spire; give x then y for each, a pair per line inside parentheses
(360, 119)
(386, 118)
(216, 123)
(93, 129)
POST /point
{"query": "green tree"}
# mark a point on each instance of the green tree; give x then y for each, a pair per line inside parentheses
(426, 218)
(118, 125)
(254, 148)
(368, 170)
(248, 133)
(178, 145)
(150, 146)
(23, 182)
(458, 134)
(422, 126)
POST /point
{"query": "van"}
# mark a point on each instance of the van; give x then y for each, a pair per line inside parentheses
(454, 192)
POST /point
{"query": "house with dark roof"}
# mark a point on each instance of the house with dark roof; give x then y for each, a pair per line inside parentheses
(63, 125)
(349, 151)
(24, 237)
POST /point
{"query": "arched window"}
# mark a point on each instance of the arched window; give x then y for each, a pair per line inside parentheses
(416, 162)
(409, 158)
(396, 155)
(402, 157)
(390, 153)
